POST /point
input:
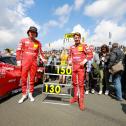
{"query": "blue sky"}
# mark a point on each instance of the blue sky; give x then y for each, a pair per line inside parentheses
(94, 19)
(43, 11)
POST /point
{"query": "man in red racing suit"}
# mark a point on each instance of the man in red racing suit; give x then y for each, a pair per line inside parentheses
(78, 57)
(26, 55)
(88, 68)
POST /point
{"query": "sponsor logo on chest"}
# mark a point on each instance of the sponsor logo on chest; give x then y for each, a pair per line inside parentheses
(80, 48)
(35, 46)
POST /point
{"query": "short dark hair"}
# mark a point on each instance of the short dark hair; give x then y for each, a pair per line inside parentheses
(8, 50)
(77, 33)
(115, 45)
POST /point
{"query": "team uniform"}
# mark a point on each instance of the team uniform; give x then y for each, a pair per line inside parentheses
(88, 68)
(77, 55)
(27, 53)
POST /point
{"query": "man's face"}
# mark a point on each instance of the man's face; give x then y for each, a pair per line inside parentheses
(32, 34)
(77, 39)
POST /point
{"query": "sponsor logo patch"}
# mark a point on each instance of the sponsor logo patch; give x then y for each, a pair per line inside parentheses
(80, 48)
(35, 45)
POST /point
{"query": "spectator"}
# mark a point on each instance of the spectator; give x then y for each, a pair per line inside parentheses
(104, 78)
(64, 60)
(90, 51)
(8, 52)
(116, 55)
(95, 76)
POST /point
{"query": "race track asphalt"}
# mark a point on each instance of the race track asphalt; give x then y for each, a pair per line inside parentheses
(100, 110)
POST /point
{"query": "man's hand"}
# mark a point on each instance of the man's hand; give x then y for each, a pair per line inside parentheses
(69, 63)
(19, 63)
(83, 62)
(43, 60)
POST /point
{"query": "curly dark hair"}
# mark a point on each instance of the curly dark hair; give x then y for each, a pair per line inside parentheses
(105, 47)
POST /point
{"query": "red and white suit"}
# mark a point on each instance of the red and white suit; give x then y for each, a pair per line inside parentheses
(90, 54)
(27, 53)
(78, 54)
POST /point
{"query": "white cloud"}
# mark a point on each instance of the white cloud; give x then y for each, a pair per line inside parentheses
(50, 24)
(80, 29)
(101, 33)
(14, 22)
(23, 5)
(64, 10)
(63, 13)
(106, 8)
(78, 4)
(59, 44)
(6, 34)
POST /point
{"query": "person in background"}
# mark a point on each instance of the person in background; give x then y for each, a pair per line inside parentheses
(57, 58)
(123, 81)
(64, 57)
(116, 55)
(51, 64)
(26, 55)
(8, 52)
(90, 51)
(95, 76)
(104, 78)
(64, 61)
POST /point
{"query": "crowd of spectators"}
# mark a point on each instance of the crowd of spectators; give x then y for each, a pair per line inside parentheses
(98, 78)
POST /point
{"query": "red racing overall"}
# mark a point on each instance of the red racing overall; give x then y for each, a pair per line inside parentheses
(27, 52)
(77, 55)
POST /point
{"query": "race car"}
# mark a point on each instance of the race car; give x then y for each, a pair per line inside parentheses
(10, 75)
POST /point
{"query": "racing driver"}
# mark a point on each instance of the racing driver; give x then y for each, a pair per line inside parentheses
(78, 58)
(26, 54)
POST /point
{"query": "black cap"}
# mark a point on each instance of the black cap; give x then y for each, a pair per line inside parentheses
(33, 29)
